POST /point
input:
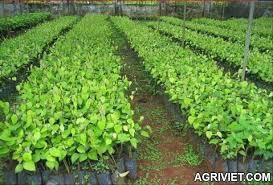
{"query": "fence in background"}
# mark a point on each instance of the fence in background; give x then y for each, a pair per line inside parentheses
(142, 8)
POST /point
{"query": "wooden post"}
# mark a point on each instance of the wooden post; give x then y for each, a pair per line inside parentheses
(248, 38)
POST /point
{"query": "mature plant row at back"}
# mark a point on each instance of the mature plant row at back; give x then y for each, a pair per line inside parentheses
(21, 50)
(14, 23)
(235, 116)
(261, 26)
(260, 64)
(257, 42)
(74, 107)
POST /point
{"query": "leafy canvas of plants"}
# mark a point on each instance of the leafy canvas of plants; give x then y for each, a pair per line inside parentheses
(74, 107)
(260, 64)
(21, 50)
(235, 116)
(12, 23)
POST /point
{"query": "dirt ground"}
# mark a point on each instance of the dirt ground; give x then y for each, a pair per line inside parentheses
(167, 157)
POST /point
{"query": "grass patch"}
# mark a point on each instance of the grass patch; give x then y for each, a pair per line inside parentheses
(180, 128)
(154, 181)
(142, 181)
(149, 151)
(188, 157)
(154, 167)
(259, 183)
(171, 182)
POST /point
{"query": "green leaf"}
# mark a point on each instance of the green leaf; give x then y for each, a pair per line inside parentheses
(209, 134)
(243, 153)
(101, 124)
(5, 107)
(4, 150)
(172, 80)
(36, 157)
(14, 119)
(191, 119)
(74, 157)
(214, 141)
(93, 155)
(27, 156)
(50, 164)
(110, 125)
(5, 135)
(125, 128)
(19, 168)
(144, 133)
(117, 128)
(108, 141)
(83, 157)
(187, 101)
(81, 149)
(132, 132)
(55, 152)
(50, 158)
(219, 134)
(36, 136)
(83, 138)
(29, 165)
(133, 141)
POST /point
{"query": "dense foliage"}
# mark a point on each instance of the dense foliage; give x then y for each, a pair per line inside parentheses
(259, 64)
(14, 23)
(261, 26)
(73, 108)
(20, 50)
(261, 43)
(235, 116)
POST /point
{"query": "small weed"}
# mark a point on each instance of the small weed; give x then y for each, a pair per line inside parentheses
(100, 166)
(142, 181)
(259, 183)
(154, 167)
(150, 152)
(189, 157)
(172, 182)
(157, 112)
(207, 183)
(145, 181)
(178, 126)
(162, 129)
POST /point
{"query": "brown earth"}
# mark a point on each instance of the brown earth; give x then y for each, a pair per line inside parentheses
(158, 155)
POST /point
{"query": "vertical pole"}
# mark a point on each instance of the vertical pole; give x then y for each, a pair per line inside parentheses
(175, 7)
(121, 7)
(159, 7)
(223, 10)
(166, 7)
(208, 9)
(248, 38)
(158, 18)
(203, 12)
(3, 8)
(114, 7)
(184, 21)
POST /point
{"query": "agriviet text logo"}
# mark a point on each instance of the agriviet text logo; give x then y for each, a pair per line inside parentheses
(232, 177)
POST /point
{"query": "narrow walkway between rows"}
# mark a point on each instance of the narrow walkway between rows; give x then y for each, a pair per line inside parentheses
(166, 158)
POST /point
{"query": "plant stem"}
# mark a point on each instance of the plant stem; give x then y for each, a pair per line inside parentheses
(66, 166)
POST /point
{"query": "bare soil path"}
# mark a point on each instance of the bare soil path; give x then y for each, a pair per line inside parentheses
(167, 157)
